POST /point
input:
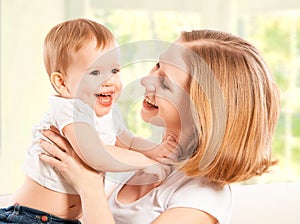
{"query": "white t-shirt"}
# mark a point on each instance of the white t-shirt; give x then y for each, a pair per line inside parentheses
(61, 113)
(178, 190)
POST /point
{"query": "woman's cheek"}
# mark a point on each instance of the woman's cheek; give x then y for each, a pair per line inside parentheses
(170, 113)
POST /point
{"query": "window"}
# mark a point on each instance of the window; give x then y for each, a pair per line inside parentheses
(277, 35)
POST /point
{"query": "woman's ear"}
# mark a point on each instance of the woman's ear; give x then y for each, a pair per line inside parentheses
(58, 82)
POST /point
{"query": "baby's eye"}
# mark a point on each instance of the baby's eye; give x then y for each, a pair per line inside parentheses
(115, 70)
(95, 72)
(157, 65)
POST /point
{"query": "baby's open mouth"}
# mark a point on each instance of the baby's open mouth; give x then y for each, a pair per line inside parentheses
(104, 97)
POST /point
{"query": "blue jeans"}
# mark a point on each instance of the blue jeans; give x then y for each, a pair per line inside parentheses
(21, 214)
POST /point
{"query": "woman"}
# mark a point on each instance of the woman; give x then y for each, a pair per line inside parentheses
(214, 93)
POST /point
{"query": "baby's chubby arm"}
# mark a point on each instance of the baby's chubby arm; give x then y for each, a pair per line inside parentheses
(164, 152)
(92, 151)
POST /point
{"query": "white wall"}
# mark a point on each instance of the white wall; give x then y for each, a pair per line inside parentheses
(24, 82)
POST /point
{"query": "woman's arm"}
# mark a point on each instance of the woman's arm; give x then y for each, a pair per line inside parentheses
(191, 216)
(95, 208)
(87, 182)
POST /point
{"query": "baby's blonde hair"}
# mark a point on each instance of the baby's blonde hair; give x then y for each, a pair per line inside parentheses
(249, 104)
(70, 37)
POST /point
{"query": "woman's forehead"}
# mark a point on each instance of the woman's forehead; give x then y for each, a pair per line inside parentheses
(174, 55)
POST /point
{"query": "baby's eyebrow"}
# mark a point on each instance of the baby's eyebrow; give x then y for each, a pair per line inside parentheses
(94, 68)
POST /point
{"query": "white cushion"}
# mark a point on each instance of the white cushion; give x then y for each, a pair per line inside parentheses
(274, 203)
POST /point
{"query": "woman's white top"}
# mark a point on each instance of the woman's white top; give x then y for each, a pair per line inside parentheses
(177, 190)
(61, 113)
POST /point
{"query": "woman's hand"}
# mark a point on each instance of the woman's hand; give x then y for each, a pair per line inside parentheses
(67, 163)
(87, 182)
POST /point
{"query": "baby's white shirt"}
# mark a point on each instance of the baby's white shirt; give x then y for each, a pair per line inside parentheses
(61, 113)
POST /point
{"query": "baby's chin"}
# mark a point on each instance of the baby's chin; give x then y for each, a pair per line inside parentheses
(102, 111)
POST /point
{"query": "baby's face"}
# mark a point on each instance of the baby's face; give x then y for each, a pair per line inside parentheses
(93, 76)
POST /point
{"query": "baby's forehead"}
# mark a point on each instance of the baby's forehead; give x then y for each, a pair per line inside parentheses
(108, 56)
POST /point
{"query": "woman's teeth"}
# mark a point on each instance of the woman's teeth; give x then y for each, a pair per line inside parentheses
(151, 102)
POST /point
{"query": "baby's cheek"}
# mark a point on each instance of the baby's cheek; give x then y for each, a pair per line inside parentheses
(118, 89)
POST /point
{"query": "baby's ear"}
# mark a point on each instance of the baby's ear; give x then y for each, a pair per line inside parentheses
(58, 82)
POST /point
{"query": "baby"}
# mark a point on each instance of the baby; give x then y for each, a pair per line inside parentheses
(83, 63)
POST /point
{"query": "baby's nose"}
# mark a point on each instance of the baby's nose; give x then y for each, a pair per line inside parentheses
(109, 81)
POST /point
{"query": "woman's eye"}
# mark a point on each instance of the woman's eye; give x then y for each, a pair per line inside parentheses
(156, 67)
(95, 72)
(163, 82)
(115, 70)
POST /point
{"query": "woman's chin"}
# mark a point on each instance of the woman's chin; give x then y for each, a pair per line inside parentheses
(157, 121)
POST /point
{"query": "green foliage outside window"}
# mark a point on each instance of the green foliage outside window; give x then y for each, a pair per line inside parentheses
(278, 38)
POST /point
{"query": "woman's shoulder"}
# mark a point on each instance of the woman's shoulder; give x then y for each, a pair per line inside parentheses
(181, 182)
(183, 191)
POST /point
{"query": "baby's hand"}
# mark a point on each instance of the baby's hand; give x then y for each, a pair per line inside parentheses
(165, 152)
(161, 171)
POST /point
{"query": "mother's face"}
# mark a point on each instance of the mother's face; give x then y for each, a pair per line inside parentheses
(167, 100)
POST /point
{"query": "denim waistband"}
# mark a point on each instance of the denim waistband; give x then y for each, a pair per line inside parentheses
(22, 214)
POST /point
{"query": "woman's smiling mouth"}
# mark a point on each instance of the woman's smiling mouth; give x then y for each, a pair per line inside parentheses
(149, 103)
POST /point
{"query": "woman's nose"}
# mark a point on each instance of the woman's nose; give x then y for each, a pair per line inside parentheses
(148, 82)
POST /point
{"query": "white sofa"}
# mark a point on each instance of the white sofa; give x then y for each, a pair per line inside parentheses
(4, 199)
(276, 203)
